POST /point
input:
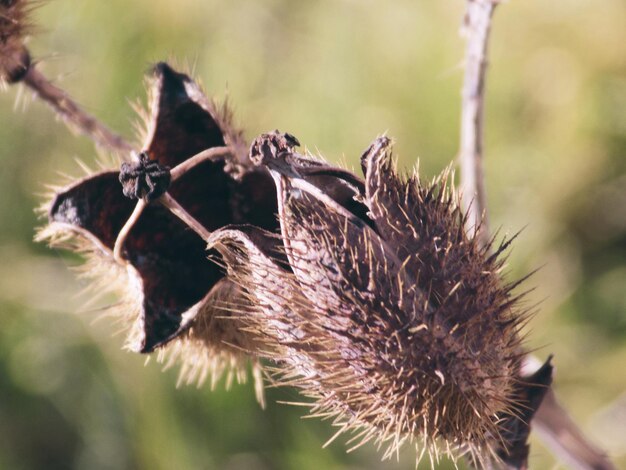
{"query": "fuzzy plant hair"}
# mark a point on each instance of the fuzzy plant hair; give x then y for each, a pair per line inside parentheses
(375, 302)
(366, 293)
(132, 225)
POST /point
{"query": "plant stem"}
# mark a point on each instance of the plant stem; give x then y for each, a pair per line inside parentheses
(556, 429)
(180, 212)
(121, 237)
(214, 153)
(559, 432)
(476, 28)
(73, 114)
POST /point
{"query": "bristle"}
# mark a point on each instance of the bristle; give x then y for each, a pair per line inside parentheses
(371, 297)
(86, 213)
(397, 330)
(201, 353)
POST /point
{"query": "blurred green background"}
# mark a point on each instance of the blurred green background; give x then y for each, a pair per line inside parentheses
(335, 73)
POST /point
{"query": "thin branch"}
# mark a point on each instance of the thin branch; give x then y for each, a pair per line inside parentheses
(476, 28)
(166, 199)
(212, 154)
(73, 114)
(121, 237)
(561, 434)
(173, 206)
(180, 212)
(552, 422)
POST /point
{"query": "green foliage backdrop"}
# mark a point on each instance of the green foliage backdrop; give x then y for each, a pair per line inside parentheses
(335, 73)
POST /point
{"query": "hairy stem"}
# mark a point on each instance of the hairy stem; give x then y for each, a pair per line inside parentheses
(73, 114)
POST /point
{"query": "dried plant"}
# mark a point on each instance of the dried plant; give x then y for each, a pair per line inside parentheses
(396, 323)
(14, 26)
(17, 66)
(145, 249)
(381, 298)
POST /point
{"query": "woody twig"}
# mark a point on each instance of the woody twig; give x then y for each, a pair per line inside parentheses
(557, 430)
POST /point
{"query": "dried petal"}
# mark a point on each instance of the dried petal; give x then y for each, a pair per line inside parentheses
(183, 122)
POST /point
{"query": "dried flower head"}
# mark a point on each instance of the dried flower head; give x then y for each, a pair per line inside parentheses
(379, 306)
(14, 25)
(133, 225)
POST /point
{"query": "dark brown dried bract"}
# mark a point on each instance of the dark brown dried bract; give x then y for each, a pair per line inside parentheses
(167, 261)
(515, 426)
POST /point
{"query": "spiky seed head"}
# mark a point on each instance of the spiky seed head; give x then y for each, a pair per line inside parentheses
(398, 324)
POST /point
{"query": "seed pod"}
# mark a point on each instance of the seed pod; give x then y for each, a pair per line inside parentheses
(173, 293)
(383, 310)
(14, 25)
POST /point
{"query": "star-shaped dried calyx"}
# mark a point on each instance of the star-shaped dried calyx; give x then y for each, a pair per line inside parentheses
(377, 304)
(175, 295)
